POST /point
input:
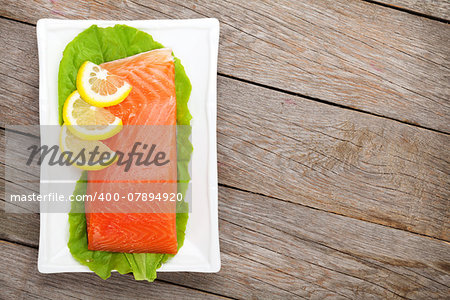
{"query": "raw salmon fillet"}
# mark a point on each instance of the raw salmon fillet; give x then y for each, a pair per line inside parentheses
(152, 101)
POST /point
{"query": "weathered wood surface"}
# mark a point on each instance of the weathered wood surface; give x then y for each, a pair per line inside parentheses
(21, 280)
(19, 70)
(319, 155)
(334, 159)
(352, 53)
(435, 8)
(287, 250)
(315, 201)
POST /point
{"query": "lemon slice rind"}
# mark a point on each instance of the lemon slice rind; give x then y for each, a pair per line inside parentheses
(90, 132)
(94, 98)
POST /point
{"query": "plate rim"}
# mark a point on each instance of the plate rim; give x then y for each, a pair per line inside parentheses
(212, 24)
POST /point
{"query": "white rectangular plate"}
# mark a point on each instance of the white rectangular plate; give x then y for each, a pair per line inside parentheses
(195, 42)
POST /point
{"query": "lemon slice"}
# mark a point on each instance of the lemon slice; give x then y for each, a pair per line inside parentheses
(78, 152)
(100, 88)
(89, 122)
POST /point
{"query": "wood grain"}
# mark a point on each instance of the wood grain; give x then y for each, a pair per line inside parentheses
(21, 280)
(309, 247)
(21, 228)
(352, 53)
(316, 201)
(434, 8)
(19, 71)
(333, 159)
(272, 249)
(322, 156)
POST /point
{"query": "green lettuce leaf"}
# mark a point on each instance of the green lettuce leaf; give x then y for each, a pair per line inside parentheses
(101, 45)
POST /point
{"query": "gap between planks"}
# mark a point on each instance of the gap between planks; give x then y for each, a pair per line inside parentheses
(409, 11)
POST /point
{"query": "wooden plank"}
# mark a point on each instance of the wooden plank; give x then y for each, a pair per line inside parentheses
(325, 157)
(20, 279)
(352, 53)
(19, 99)
(14, 144)
(373, 253)
(19, 70)
(334, 159)
(435, 8)
(280, 250)
(17, 178)
(17, 227)
(20, 228)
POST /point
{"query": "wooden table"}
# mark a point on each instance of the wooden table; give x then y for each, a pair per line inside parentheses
(333, 150)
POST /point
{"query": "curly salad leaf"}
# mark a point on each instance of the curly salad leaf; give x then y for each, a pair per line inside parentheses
(101, 45)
